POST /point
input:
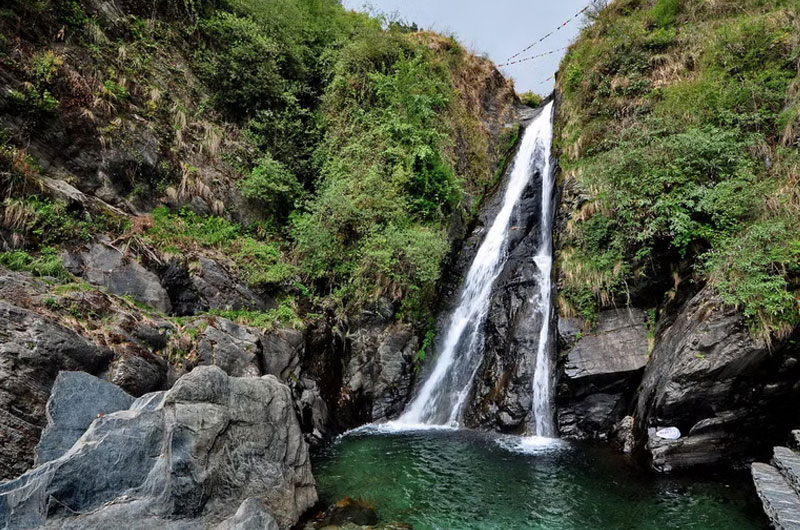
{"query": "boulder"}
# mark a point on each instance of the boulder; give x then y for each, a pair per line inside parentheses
(282, 350)
(609, 353)
(104, 265)
(212, 451)
(723, 388)
(600, 371)
(235, 349)
(253, 514)
(33, 350)
(76, 399)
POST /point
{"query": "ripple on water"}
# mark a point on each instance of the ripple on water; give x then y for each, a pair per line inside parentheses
(461, 480)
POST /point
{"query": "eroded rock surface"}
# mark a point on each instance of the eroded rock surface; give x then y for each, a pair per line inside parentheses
(600, 371)
(76, 400)
(377, 379)
(724, 389)
(32, 352)
(213, 450)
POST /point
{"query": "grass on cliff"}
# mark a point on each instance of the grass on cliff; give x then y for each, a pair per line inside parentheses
(680, 121)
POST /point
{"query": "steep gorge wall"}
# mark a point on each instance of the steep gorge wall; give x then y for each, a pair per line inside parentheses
(675, 236)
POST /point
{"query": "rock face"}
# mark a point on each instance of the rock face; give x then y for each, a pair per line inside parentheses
(32, 352)
(722, 388)
(220, 290)
(104, 265)
(213, 450)
(503, 386)
(599, 372)
(778, 487)
(377, 379)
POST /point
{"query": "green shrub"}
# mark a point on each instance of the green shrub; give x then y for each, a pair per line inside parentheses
(258, 261)
(664, 13)
(681, 175)
(271, 184)
(241, 63)
(751, 270)
(531, 99)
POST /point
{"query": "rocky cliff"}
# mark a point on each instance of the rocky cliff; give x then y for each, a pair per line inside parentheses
(677, 299)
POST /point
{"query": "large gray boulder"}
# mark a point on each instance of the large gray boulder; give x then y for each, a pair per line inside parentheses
(213, 452)
(33, 349)
(77, 398)
(727, 393)
(600, 371)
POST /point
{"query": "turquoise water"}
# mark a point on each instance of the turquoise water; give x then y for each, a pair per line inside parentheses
(465, 480)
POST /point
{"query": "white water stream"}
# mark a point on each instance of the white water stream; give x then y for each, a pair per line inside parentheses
(441, 397)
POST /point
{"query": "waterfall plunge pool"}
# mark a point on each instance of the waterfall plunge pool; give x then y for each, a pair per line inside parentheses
(465, 480)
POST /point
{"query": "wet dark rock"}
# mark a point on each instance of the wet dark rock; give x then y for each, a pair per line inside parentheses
(502, 395)
(182, 295)
(140, 372)
(33, 350)
(720, 386)
(593, 416)
(228, 441)
(377, 378)
(599, 372)
(76, 399)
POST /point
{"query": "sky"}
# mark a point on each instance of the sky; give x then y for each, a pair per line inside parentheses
(497, 29)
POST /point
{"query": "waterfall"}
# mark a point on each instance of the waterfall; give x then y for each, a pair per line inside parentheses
(542, 375)
(441, 397)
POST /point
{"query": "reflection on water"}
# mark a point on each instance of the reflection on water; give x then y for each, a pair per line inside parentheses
(464, 480)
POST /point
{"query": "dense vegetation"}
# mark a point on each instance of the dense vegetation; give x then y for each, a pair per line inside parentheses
(680, 121)
(328, 151)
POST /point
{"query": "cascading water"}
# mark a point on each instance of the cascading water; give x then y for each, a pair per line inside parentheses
(440, 399)
(542, 378)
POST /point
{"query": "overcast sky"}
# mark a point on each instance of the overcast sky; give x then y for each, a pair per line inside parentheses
(497, 29)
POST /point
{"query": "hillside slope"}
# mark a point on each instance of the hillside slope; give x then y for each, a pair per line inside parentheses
(271, 187)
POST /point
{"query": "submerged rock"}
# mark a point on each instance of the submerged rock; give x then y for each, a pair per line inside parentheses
(214, 450)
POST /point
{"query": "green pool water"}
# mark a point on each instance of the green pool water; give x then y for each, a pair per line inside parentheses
(462, 480)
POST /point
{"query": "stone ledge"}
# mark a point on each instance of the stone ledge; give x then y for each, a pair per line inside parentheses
(781, 503)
